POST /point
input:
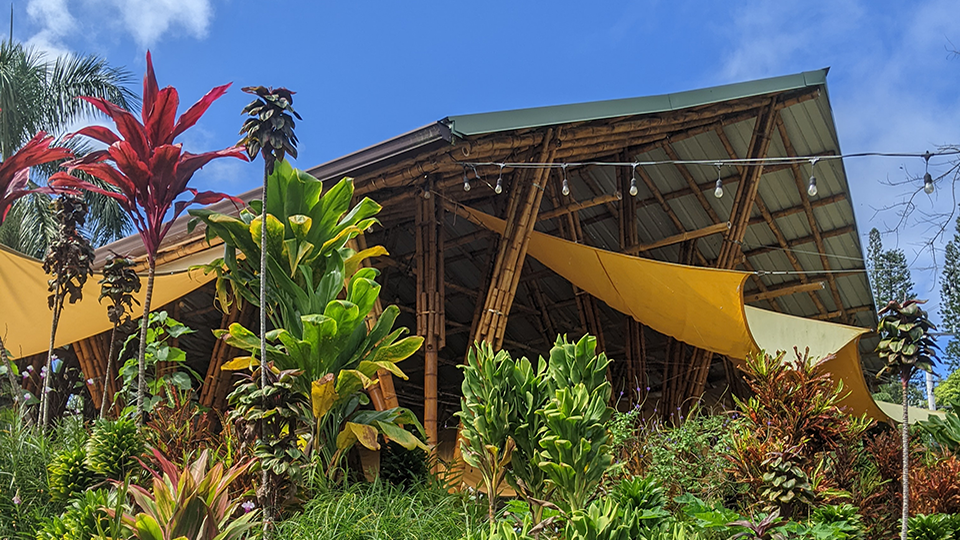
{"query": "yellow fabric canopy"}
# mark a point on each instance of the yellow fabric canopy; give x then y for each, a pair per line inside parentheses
(702, 307)
(25, 319)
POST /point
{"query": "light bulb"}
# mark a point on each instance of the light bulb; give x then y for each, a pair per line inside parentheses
(498, 189)
(466, 183)
(719, 191)
(927, 183)
(566, 188)
(812, 186)
(426, 194)
(633, 187)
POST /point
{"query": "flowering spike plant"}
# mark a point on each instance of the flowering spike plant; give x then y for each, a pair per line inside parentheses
(147, 172)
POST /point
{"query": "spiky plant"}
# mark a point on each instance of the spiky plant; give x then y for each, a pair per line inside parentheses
(68, 474)
(269, 132)
(905, 345)
(84, 518)
(114, 447)
(118, 285)
(68, 262)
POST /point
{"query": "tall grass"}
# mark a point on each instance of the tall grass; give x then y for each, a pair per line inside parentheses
(24, 454)
(380, 511)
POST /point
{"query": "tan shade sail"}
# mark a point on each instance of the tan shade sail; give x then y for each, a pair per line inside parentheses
(700, 306)
(25, 319)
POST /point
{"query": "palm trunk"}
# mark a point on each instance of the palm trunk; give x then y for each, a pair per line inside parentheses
(142, 354)
(14, 384)
(265, 475)
(904, 382)
(108, 373)
(48, 374)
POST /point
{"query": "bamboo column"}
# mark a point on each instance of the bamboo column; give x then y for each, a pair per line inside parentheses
(216, 383)
(383, 394)
(430, 299)
(521, 217)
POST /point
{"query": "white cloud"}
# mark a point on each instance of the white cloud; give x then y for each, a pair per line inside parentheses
(148, 20)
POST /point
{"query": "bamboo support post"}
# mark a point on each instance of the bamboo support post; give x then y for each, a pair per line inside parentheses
(634, 344)
(431, 322)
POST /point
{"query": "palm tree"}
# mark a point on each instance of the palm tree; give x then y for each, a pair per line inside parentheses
(39, 94)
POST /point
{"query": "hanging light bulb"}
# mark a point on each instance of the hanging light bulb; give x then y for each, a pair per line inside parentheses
(498, 189)
(812, 185)
(633, 182)
(718, 192)
(466, 182)
(927, 179)
(566, 185)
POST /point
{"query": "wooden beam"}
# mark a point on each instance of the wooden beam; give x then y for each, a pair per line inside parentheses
(430, 301)
(808, 212)
(783, 291)
(792, 210)
(577, 206)
(682, 237)
(830, 233)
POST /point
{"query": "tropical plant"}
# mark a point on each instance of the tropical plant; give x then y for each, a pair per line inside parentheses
(945, 430)
(273, 413)
(148, 173)
(268, 131)
(83, 519)
(320, 300)
(905, 345)
(529, 390)
(69, 262)
(602, 520)
(843, 517)
(196, 502)
(69, 474)
(114, 448)
(163, 329)
(935, 485)
(38, 93)
(643, 500)
(402, 467)
(759, 529)
(794, 414)
(485, 410)
(119, 283)
(932, 527)
(575, 451)
(25, 454)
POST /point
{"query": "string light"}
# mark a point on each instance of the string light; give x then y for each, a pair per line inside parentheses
(718, 192)
(466, 181)
(812, 186)
(927, 179)
(633, 182)
(499, 187)
(566, 185)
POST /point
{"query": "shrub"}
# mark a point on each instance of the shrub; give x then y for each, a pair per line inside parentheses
(402, 467)
(69, 474)
(114, 447)
(379, 510)
(24, 494)
(935, 486)
(84, 518)
(932, 527)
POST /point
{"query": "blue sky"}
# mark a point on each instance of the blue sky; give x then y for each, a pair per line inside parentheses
(366, 71)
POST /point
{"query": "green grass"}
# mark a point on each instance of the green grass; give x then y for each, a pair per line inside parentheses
(380, 511)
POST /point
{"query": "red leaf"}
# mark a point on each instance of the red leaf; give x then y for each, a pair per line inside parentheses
(159, 123)
(190, 163)
(189, 118)
(100, 133)
(149, 89)
(128, 126)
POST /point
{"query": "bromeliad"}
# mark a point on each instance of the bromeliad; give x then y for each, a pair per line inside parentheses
(148, 171)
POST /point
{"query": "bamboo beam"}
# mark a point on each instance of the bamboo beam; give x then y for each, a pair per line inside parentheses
(508, 264)
(808, 212)
(577, 206)
(682, 237)
(793, 210)
(830, 233)
(783, 291)
(838, 313)
(220, 354)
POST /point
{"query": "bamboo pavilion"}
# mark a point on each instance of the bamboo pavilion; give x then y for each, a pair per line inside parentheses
(677, 283)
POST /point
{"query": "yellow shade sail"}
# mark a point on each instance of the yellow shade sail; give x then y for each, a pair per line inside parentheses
(25, 319)
(702, 307)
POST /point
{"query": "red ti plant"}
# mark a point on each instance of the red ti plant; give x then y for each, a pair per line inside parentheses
(149, 172)
(14, 183)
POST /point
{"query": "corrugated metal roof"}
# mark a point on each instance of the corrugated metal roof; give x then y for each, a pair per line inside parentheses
(477, 124)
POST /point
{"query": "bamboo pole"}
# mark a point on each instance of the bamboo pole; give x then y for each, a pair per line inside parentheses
(430, 310)
(783, 291)
(682, 237)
